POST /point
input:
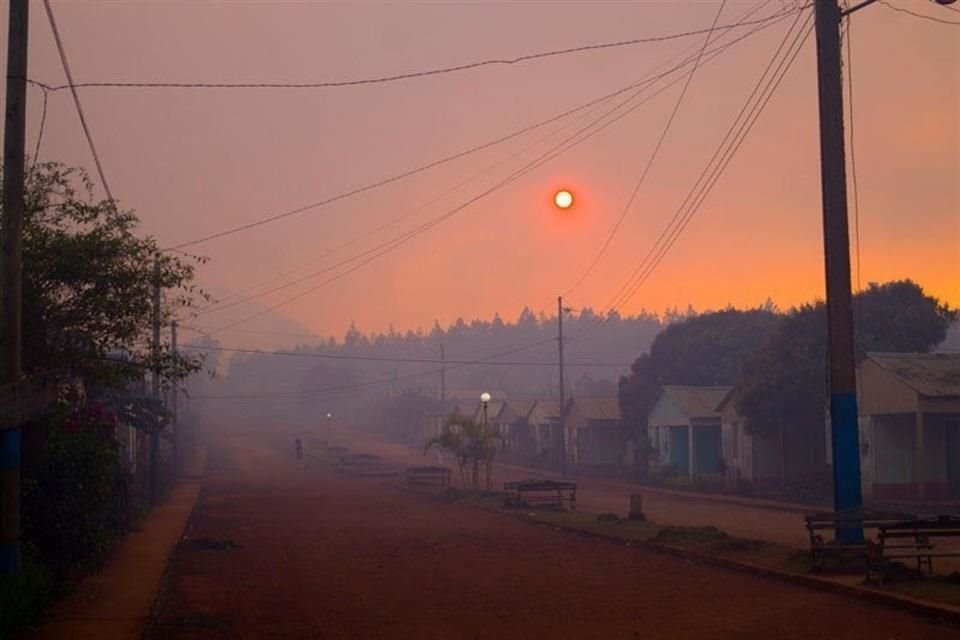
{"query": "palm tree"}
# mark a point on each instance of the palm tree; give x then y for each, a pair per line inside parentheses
(469, 442)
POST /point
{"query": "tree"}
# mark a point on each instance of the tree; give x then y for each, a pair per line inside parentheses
(88, 285)
(782, 387)
(470, 443)
(695, 350)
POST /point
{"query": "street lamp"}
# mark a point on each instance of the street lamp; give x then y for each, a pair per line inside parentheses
(485, 399)
(329, 421)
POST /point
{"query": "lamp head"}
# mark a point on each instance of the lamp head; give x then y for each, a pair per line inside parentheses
(484, 397)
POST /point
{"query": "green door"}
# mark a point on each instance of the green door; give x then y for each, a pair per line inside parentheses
(679, 449)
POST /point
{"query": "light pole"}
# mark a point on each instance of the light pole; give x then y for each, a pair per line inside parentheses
(329, 422)
(485, 399)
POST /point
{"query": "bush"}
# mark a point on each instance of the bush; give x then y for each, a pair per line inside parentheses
(23, 596)
(76, 502)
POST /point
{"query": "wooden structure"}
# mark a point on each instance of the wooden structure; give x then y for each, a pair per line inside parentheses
(913, 539)
(824, 547)
(910, 426)
(25, 401)
(549, 493)
(429, 475)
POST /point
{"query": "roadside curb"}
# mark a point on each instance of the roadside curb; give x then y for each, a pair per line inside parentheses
(945, 614)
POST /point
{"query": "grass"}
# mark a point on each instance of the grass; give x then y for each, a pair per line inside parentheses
(942, 589)
(23, 597)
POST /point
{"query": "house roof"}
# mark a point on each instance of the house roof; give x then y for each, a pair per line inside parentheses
(511, 410)
(544, 409)
(598, 408)
(698, 402)
(935, 375)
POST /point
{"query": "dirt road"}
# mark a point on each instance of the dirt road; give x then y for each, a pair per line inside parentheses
(277, 550)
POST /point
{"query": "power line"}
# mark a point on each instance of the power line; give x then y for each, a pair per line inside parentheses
(76, 99)
(650, 161)
(584, 133)
(405, 174)
(382, 381)
(709, 176)
(396, 77)
(918, 15)
(403, 360)
(43, 122)
(745, 127)
(853, 154)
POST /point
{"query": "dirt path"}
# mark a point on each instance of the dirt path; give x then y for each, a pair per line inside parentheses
(320, 555)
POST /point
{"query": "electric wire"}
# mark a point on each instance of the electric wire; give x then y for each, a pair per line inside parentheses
(396, 77)
(76, 99)
(918, 15)
(455, 156)
(650, 161)
(708, 177)
(401, 360)
(569, 143)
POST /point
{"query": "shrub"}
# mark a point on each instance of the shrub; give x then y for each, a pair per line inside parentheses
(76, 502)
(23, 596)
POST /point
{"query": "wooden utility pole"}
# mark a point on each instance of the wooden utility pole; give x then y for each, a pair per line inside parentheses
(845, 437)
(174, 423)
(11, 243)
(563, 422)
(155, 433)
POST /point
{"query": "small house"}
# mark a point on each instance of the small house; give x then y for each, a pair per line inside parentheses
(684, 428)
(544, 422)
(910, 425)
(595, 435)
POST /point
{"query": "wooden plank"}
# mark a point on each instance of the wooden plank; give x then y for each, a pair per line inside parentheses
(24, 401)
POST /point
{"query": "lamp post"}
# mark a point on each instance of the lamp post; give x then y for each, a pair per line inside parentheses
(485, 399)
(329, 422)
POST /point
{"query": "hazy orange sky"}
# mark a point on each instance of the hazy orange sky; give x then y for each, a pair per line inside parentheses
(193, 162)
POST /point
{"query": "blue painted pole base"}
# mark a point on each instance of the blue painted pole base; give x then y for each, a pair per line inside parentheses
(9, 501)
(845, 441)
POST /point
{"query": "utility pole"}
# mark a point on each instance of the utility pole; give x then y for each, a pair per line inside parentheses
(845, 437)
(173, 401)
(10, 276)
(443, 388)
(155, 433)
(563, 425)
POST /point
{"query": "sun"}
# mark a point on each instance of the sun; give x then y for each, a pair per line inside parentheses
(563, 199)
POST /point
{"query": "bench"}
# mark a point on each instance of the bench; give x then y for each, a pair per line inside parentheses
(360, 461)
(553, 493)
(429, 475)
(913, 539)
(821, 548)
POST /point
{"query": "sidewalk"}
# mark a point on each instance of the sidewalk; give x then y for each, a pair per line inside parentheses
(116, 602)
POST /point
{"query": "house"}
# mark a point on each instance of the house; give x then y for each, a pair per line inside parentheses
(910, 425)
(684, 428)
(544, 423)
(595, 437)
(510, 421)
(749, 459)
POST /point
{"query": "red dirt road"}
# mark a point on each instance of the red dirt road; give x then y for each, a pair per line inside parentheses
(328, 556)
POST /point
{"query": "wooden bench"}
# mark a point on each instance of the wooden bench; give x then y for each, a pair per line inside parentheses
(429, 475)
(821, 548)
(913, 539)
(360, 461)
(553, 493)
